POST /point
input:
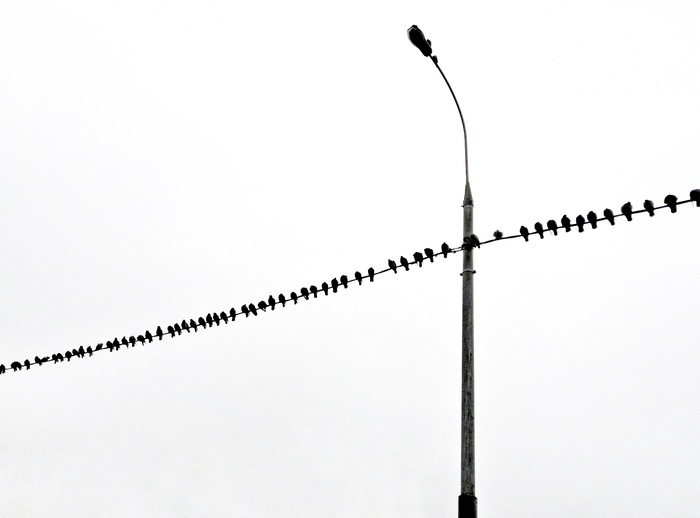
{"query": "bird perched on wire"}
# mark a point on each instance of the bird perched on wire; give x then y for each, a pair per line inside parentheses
(140, 339)
(202, 322)
(98, 347)
(525, 232)
(475, 241)
(159, 333)
(223, 316)
(334, 285)
(193, 325)
(178, 329)
(404, 262)
(695, 196)
(344, 281)
(148, 336)
(294, 296)
(314, 290)
(252, 309)
(370, 274)
(392, 265)
(271, 302)
(185, 327)
(282, 299)
(609, 216)
(132, 341)
(325, 288)
(418, 257)
(671, 201)
(245, 310)
(566, 223)
(626, 210)
(171, 331)
(262, 306)
(215, 317)
(232, 314)
(89, 348)
(593, 219)
(2, 368)
(580, 222)
(649, 207)
(539, 229)
(305, 293)
(210, 320)
(69, 355)
(27, 363)
(358, 278)
(552, 225)
(16, 366)
(498, 234)
(429, 253)
(445, 249)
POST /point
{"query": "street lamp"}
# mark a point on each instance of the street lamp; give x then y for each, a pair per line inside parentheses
(467, 498)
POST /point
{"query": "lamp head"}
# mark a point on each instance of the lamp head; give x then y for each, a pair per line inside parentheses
(418, 39)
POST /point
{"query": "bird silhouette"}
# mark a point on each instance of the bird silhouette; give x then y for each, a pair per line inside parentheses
(69, 355)
(392, 265)
(224, 316)
(252, 309)
(185, 326)
(262, 305)
(608, 214)
(132, 341)
(60, 357)
(215, 317)
(429, 253)
(649, 207)
(81, 351)
(294, 296)
(282, 299)
(159, 333)
(210, 320)
(695, 196)
(271, 302)
(325, 287)
(171, 331)
(54, 358)
(75, 353)
(202, 322)
(539, 229)
(475, 240)
(305, 293)
(89, 349)
(16, 366)
(525, 232)
(98, 347)
(178, 329)
(370, 274)
(344, 281)
(552, 225)
(418, 257)
(125, 343)
(626, 210)
(314, 290)
(27, 363)
(2, 368)
(358, 278)
(335, 284)
(580, 222)
(245, 310)
(109, 345)
(593, 219)
(566, 223)
(445, 249)
(193, 325)
(404, 262)
(140, 339)
(232, 314)
(671, 201)
(498, 234)
(37, 360)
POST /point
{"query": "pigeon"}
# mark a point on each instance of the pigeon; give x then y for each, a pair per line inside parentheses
(404, 262)
(140, 338)
(69, 355)
(580, 222)
(627, 211)
(81, 351)
(132, 341)
(609, 216)
(232, 314)
(358, 278)
(498, 234)
(76, 355)
(185, 326)
(178, 329)
(525, 232)
(344, 281)
(245, 310)
(110, 346)
(89, 350)
(159, 333)
(314, 290)
(445, 249)
(193, 325)
(392, 265)
(370, 274)
(223, 316)
(475, 240)
(252, 309)
(2, 368)
(695, 196)
(335, 284)
(539, 229)
(210, 320)
(552, 225)
(325, 287)
(98, 347)
(593, 219)
(566, 223)
(60, 357)
(125, 343)
(54, 358)
(216, 319)
(283, 299)
(649, 207)
(262, 306)
(418, 257)
(202, 322)
(171, 331)
(429, 253)
(294, 297)
(305, 293)
(16, 366)
(671, 201)
(271, 302)
(38, 361)
(27, 363)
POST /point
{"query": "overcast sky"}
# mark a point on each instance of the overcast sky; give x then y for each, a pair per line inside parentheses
(163, 160)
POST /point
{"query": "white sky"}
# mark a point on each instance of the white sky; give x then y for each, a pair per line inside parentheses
(162, 160)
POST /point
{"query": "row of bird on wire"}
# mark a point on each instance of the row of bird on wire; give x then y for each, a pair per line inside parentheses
(246, 309)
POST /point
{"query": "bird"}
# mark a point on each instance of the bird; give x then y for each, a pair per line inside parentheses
(609, 216)
(202, 322)
(60, 357)
(325, 287)
(271, 302)
(498, 234)
(89, 349)
(294, 297)
(27, 363)
(132, 341)
(68, 354)
(671, 201)
(178, 329)
(54, 358)
(98, 347)
(418, 39)
(358, 278)
(193, 325)
(593, 219)
(245, 310)
(335, 284)
(404, 262)
(580, 222)
(392, 265)
(695, 196)
(314, 290)
(552, 225)
(445, 249)
(2, 367)
(140, 338)
(171, 331)
(626, 210)
(539, 229)
(649, 207)
(109, 346)
(16, 366)
(125, 343)
(566, 223)
(475, 240)
(429, 253)
(418, 257)
(525, 232)
(210, 320)
(305, 293)
(81, 351)
(215, 317)
(159, 333)
(185, 326)
(370, 274)
(283, 299)
(232, 314)
(262, 306)
(344, 281)
(38, 361)
(224, 316)
(252, 309)
(75, 352)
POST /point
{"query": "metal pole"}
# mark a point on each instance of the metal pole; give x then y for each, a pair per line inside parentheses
(467, 498)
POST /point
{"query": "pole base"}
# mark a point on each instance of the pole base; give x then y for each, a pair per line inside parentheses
(467, 506)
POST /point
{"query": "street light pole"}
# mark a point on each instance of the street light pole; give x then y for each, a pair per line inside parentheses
(467, 498)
